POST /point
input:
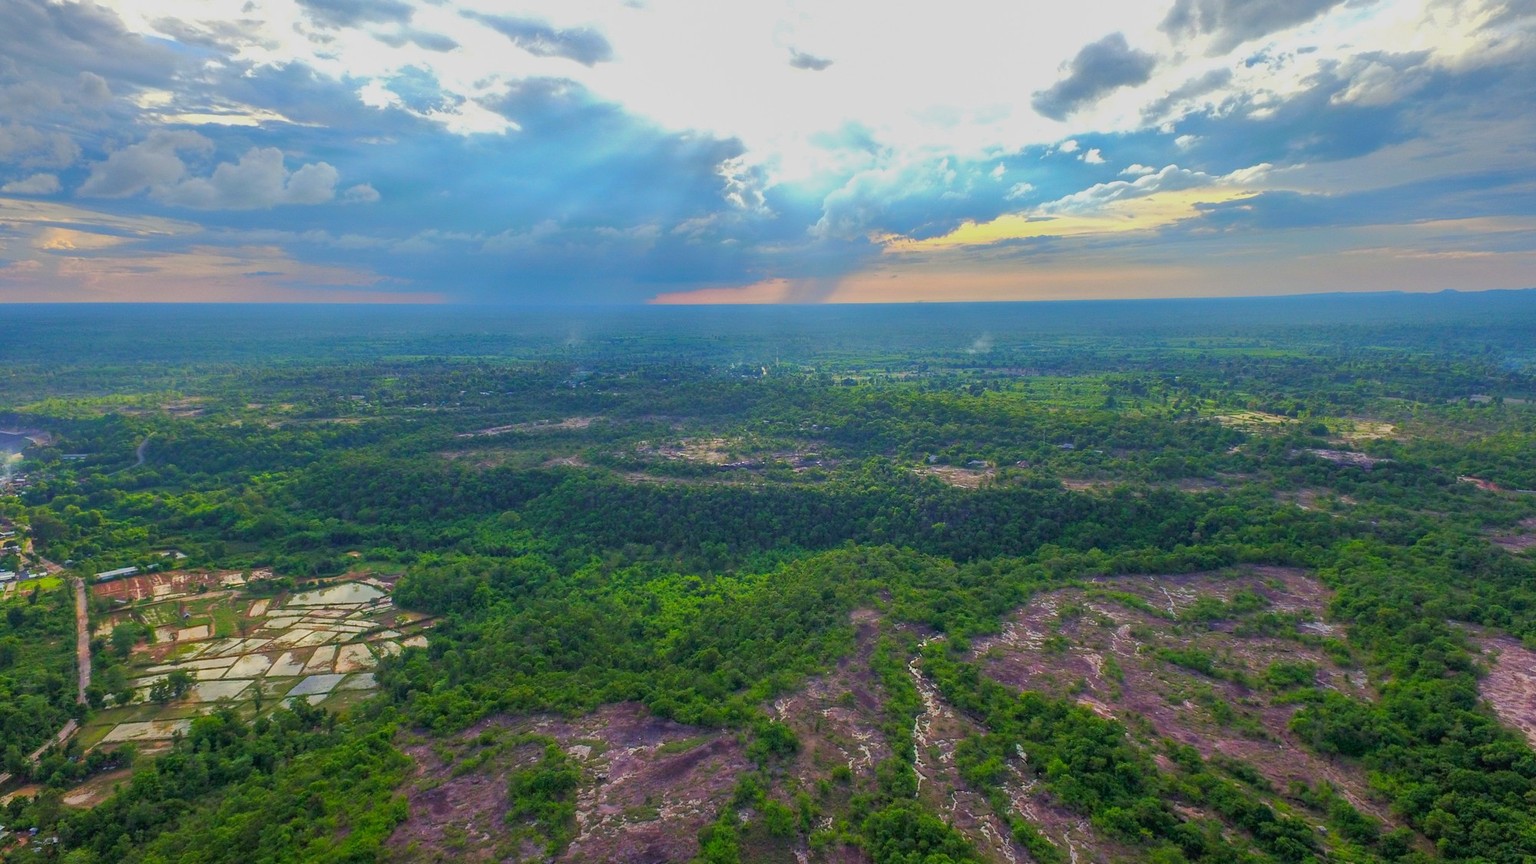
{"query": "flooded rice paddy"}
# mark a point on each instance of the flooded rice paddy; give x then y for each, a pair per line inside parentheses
(320, 646)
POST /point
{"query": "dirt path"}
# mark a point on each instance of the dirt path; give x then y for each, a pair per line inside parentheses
(68, 730)
(138, 454)
(82, 640)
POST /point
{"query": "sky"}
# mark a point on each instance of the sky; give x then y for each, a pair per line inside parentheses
(829, 151)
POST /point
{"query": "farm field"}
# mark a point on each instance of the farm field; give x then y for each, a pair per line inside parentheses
(319, 645)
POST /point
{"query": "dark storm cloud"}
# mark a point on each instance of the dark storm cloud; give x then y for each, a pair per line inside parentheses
(60, 40)
(1230, 23)
(1101, 67)
(1337, 117)
(584, 201)
(1461, 196)
(1194, 88)
(801, 60)
(581, 44)
(351, 13)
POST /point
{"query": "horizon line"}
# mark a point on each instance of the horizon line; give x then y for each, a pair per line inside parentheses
(652, 304)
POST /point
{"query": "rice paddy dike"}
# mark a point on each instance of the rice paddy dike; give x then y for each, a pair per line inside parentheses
(251, 653)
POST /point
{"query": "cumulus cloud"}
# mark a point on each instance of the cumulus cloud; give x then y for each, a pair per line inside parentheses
(1171, 178)
(581, 44)
(153, 163)
(1019, 190)
(917, 199)
(94, 90)
(806, 196)
(352, 13)
(1101, 67)
(801, 60)
(1378, 78)
(258, 180)
(1095, 197)
(51, 98)
(33, 148)
(37, 184)
(362, 193)
(1230, 23)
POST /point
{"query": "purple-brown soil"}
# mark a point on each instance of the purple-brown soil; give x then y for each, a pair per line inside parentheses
(649, 786)
(1510, 685)
(1063, 642)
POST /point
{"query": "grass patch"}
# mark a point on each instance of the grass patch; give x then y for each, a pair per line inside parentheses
(159, 615)
(682, 745)
(90, 736)
(226, 624)
(642, 813)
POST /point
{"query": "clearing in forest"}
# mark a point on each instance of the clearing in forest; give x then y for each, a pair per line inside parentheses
(1510, 685)
(647, 787)
(320, 645)
(1204, 659)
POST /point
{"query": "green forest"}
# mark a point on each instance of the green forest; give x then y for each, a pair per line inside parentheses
(1311, 539)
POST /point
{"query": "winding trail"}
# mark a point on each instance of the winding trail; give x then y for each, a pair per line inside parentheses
(138, 455)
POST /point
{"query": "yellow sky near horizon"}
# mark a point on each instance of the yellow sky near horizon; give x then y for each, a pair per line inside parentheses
(1424, 257)
(1146, 213)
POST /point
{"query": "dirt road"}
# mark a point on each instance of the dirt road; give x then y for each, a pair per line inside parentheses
(82, 639)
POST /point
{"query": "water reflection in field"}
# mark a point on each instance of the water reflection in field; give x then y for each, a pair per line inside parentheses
(346, 594)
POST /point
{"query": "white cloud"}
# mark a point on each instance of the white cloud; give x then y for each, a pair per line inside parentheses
(513, 240)
(709, 67)
(1136, 170)
(1376, 83)
(1018, 191)
(1095, 197)
(362, 193)
(1249, 176)
(850, 211)
(34, 148)
(153, 163)
(260, 179)
(1171, 178)
(37, 184)
(1093, 157)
